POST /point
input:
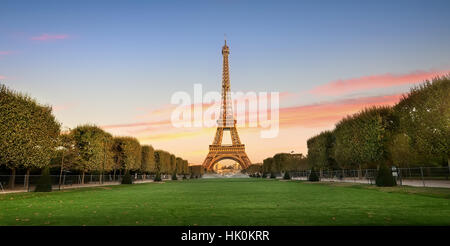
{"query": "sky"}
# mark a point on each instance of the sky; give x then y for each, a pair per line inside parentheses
(117, 64)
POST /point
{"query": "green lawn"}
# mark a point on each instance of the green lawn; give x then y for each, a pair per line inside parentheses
(228, 202)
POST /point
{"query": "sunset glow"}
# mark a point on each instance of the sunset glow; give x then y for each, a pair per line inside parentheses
(118, 65)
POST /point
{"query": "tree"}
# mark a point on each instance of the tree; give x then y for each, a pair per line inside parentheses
(173, 163)
(361, 138)
(127, 153)
(320, 151)
(268, 165)
(29, 132)
(108, 163)
(179, 165)
(90, 144)
(157, 166)
(185, 167)
(280, 162)
(401, 151)
(148, 159)
(66, 155)
(424, 117)
(196, 170)
(253, 169)
(164, 161)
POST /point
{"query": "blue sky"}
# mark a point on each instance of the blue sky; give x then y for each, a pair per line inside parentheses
(118, 58)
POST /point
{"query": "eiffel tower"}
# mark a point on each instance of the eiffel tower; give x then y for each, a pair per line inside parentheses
(226, 122)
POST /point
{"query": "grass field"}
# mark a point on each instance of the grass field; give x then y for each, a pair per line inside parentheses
(229, 202)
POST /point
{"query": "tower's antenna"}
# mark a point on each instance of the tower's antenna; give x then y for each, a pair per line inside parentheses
(225, 37)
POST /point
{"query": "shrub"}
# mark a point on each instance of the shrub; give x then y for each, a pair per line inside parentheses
(192, 176)
(313, 177)
(174, 176)
(157, 177)
(258, 176)
(384, 177)
(272, 175)
(126, 179)
(264, 175)
(286, 175)
(45, 182)
(184, 176)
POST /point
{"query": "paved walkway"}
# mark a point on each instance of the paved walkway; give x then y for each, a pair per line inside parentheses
(409, 182)
(65, 187)
(416, 183)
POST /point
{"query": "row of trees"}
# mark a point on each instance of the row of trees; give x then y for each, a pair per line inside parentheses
(88, 148)
(414, 132)
(283, 162)
(28, 132)
(30, 138)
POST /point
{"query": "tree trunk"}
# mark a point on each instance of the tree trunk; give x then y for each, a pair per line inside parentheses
(12, 179)
(61, 171)
(82, 178)
(27, 179)
(114, 175)
(359, 172)
(448, 165)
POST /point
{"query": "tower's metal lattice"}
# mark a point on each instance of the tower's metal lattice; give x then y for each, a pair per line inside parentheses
(226, 122)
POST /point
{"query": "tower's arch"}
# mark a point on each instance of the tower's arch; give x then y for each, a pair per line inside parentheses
(235, 158)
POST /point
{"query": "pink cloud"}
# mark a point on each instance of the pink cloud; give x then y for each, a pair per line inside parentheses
(138, 124)
(328, 113)
(48, 37)
(308, 116)
(2, 77)
(339, 87)
(5, 52)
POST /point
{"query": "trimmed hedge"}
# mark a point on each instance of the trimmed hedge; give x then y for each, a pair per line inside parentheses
(45, 182)
(384, 177)
(126, 179)
(174, 176)
(157, 177)
(272, 175)
(286, 175)
(313, 177)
